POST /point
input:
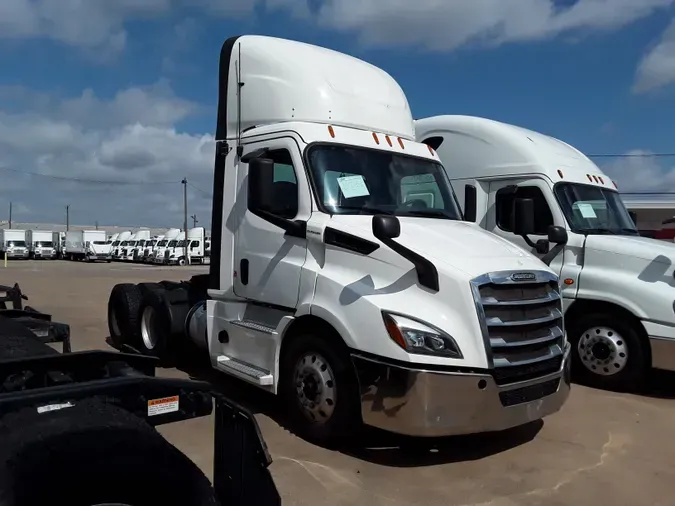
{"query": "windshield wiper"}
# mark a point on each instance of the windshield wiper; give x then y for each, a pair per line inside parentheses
(606, 231)
(430, 213)
(364, 209)
(630, 231)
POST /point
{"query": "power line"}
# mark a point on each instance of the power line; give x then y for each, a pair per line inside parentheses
(210, 195)
(88, 181)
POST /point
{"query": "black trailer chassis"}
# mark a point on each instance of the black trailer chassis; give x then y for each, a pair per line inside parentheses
(47, 380)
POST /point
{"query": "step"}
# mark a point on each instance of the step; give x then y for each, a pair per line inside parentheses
(247, 371)
(250, 324)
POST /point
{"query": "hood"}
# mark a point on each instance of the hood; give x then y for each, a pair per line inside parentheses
(643, 248)
(637, 272)
(456, 244)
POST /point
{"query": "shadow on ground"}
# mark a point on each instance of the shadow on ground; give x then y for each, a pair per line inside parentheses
(373, 445)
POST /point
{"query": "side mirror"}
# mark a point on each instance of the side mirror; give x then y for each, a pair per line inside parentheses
(386, 227)
(633, 216)
(557, 235)
(523, 217)
(470, 203)
(260, 170)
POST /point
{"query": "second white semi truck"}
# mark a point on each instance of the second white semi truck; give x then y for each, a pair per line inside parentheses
(330, 286)
(616, 286)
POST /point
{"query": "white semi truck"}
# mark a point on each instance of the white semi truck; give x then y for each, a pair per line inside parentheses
(13, 244)
(142, 237)
(41, 244)
(123, 237)
(616, 286)
(194, 247)
(330, 287)
(170, 241)
(89, 245)
(149, 248)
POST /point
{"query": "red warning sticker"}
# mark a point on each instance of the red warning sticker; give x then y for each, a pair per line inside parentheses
(162, 406)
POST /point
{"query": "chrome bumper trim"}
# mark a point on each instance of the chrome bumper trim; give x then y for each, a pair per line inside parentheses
(429, 403)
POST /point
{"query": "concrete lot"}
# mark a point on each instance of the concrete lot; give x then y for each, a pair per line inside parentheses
(602, 448)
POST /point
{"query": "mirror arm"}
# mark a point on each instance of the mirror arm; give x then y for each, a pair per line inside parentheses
(528, 241)
(296, 228)
(548, 257)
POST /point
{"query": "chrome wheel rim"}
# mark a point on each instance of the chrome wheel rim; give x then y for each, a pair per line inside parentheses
(603, 351)
(147, 320)
(315, 387)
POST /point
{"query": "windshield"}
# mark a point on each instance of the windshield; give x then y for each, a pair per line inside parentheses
(594, 210)
(100, 242)
(17, 244)
(150, 244)
(162, 243)
(44, 244)
(181, 244)
(353, 180)
(172, 244)
(116, 243)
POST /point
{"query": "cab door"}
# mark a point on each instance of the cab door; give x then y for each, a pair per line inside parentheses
(566, 264)
(267, 262)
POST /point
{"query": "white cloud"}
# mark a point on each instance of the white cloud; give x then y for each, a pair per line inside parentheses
(434, 24)
(95, 24)
(640, 172)
(449, 24)
(130, 138)
(657, 68)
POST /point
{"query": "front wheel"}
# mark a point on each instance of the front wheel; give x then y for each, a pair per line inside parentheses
(319, 386)
(608, 352)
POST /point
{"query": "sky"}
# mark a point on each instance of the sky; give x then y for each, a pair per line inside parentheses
(106, 105)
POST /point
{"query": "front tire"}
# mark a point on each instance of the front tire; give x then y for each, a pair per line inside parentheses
(319, 386)
(608, 352)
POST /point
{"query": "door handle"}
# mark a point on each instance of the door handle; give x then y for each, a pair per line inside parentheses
(243, 270)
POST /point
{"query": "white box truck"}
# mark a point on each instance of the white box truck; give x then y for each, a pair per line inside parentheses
(41, 244)
(89, 245)
(13, 244)
(616, 286)
(330, 287)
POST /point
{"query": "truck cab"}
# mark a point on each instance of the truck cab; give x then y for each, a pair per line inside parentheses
(333, 285)
(616, 285)
(194, 246)
(166, 246)
(13, 244)
(40, 244)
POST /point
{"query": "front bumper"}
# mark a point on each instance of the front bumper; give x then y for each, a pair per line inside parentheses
(17, 254)
(419, 402)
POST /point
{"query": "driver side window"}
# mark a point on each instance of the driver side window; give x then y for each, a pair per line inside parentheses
(422, 187)
(543, 218)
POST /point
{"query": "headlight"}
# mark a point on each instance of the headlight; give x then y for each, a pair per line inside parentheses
(420, 338)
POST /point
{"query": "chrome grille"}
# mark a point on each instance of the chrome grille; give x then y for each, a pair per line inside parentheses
(522, 323)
